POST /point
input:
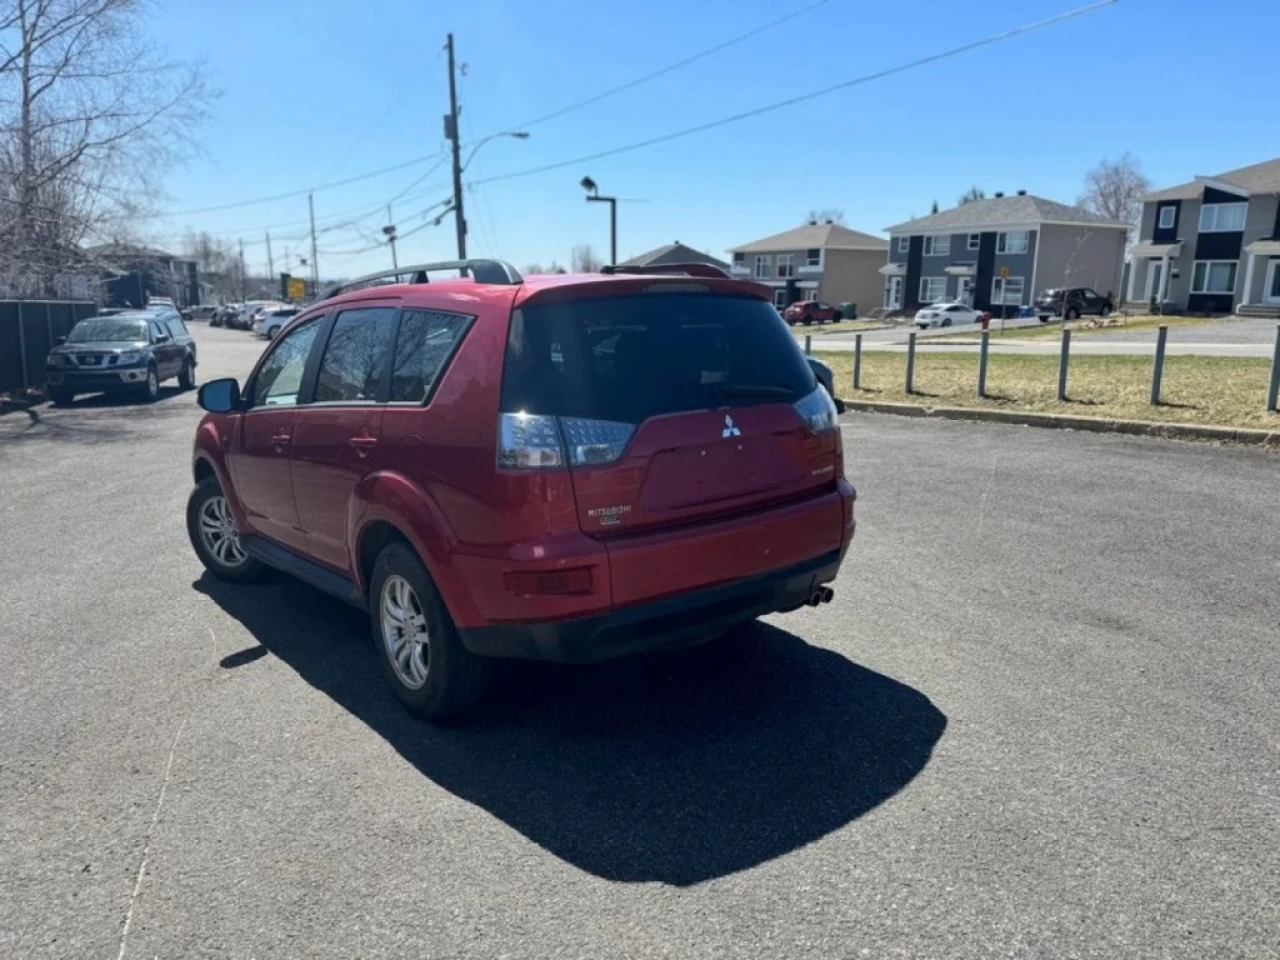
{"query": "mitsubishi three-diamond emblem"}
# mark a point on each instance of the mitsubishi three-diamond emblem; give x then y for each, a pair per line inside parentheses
(729, 429)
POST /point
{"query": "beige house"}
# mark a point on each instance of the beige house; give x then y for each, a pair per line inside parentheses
(818, 261)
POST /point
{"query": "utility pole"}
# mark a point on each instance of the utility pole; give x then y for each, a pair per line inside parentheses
(271, 264)
(390, 231)
(242, 277)
(451, 131)
(315, 267)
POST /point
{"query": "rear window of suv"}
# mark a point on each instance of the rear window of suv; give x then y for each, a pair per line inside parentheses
(630, 358)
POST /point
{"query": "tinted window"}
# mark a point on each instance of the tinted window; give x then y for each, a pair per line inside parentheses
(177, 328)
(87, 331)
(280, 376)
(355, 357)
(422, 347)
(631, 358)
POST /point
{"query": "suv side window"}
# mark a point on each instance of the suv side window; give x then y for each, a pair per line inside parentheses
(423, 348)
(156, 330)
(279, 378)
(177, 328)
(355, 358)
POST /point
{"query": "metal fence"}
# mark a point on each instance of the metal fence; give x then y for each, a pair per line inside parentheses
(28, 330)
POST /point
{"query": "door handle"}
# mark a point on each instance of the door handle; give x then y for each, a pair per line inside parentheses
(363, 444)
(280, 440)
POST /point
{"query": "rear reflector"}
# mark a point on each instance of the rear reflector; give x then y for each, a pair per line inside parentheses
(548, 583)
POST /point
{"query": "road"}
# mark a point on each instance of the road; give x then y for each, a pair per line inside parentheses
(1038, 720)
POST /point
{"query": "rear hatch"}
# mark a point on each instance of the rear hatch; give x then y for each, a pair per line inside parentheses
(674, 407)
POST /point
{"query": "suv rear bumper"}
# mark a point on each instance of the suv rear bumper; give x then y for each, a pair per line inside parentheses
(680, 621)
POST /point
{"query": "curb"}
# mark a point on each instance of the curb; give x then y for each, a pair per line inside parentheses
(1059, 421)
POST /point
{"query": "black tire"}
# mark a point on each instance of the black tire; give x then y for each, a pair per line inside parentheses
(187, 375)
(1072, 314)
(839, 404)
(150, 389)
(946, 321)
(1105, 311)
(455, 677)
(245, 571)
(62, 398)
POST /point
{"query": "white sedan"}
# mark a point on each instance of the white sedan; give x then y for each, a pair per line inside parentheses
(946, 315)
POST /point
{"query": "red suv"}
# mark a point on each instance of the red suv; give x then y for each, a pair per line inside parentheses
(561, 467)
(811, 311)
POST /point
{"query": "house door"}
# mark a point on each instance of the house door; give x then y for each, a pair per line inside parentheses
(1271, 292)
(893, 299)
(1153, 278)
(964, 290)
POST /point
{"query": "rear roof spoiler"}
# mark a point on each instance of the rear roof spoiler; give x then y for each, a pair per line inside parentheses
(683, 269)
(497, 272)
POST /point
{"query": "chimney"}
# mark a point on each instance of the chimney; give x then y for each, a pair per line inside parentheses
(812, 222)
(828, 221)
(998, 194)
(1022, 193)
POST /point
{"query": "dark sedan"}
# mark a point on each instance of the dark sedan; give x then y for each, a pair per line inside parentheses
(125, 353)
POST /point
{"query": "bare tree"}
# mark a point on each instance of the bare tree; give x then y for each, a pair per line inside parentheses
(1114, 189)
(973, 193)
(826, 215)
(535, 267)
(584, 259)
(90, 114)
(935, 207)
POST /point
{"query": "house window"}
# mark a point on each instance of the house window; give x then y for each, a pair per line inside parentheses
(780, 297)
(904, 244)
(1014, 241)
(937, 246)
(932, 289)
(1167, 216)
(1214, 276)
(764, 263)
(813, 258)
(975, 240)
(785, 268)
(739, 259)
(1006, 290)
(1221, 217)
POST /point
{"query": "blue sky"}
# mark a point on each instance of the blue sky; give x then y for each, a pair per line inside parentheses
(320, 90)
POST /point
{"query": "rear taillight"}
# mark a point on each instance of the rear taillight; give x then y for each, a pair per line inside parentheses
(548, 583)
(818, 411)
(529, 441)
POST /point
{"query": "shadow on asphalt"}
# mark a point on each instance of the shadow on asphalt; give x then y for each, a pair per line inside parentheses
(675, 768)
(91, 420)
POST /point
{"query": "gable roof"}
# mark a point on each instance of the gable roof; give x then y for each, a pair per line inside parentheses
(1004, 212)
(673, 253)
(1258, 178)
(815, 235)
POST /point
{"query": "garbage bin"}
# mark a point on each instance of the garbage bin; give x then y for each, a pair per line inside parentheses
(848, 310)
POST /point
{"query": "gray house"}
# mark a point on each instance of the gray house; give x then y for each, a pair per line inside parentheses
(818, 261)
(995, 254)
(1212, 245)
(673, 253)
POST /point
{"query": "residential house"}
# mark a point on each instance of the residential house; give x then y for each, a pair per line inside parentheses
(817, 261)
(132, 273)
(673, 253)
(1194, 236)
(995, 254)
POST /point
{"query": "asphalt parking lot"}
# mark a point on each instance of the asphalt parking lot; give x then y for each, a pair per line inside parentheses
(1039, 720)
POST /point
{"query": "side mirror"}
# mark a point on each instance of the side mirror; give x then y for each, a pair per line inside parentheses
(163, 338)
(59, 341)
(219, 396)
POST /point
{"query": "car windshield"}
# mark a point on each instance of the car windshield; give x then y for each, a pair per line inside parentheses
(108, 329)
(631, 358)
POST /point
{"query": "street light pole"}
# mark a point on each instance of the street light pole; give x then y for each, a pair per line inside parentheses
(390, 231)
(451, 129)
(593, 196)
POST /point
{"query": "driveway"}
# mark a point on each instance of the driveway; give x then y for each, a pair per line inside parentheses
(1038, 720)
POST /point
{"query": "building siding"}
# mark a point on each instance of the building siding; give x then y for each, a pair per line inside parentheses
(853, 275)
(986, 271)
(911, 285)
(1065, 261)
(1167, 234)
(1019, 264)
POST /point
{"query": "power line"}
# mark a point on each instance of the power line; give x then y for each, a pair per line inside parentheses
(613, 91)
(792, 101)
(307, 190)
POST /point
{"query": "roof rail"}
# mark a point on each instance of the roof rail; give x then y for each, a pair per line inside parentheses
(497, 272)
(685, 269)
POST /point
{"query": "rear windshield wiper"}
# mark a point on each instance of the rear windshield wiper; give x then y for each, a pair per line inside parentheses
(753, 390)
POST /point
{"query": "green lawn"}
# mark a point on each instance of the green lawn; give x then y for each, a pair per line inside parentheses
(1096, 326)
(1223, 391)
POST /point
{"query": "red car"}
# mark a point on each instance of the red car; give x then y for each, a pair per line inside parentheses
(565, 467)
(811, 311)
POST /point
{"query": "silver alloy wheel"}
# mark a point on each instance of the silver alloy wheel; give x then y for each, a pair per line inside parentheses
(404, 632)
(153, 383)
(218, 532)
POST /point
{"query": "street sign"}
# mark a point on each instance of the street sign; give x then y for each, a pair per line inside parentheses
(1004, 273)
(297, 288)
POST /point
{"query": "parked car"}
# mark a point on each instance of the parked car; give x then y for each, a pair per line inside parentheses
(271, 320)
(203, 311)
(810, 312)
(222, 318)
(565, 468)
(946, 315)
(246, 312)
(825, 377)
(125, 352)
(1071, 303)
